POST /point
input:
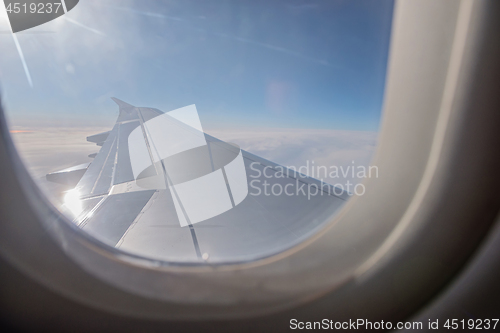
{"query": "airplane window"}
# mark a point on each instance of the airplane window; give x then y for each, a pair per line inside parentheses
(193, 131)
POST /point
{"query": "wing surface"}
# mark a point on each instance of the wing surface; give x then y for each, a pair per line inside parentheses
(116, 209)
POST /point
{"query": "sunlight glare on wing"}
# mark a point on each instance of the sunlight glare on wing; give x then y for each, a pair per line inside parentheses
(72, 202)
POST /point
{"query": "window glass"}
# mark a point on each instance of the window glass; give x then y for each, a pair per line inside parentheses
(198, 131)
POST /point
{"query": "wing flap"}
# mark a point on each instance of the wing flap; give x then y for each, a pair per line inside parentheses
(98, 138)
(70, 176)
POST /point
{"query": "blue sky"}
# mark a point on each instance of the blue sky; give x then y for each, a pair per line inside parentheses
(288, 64)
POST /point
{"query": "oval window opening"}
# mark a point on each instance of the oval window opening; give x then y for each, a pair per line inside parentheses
(198, 133)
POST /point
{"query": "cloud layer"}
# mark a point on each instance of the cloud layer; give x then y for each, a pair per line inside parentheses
(307, 147)
(46, 150)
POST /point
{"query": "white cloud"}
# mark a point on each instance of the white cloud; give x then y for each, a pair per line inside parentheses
(45, 150)
(302, 147)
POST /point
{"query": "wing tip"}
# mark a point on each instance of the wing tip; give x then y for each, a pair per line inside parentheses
(121, 103)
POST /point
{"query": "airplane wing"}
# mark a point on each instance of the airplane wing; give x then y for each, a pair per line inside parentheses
(153, 204)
